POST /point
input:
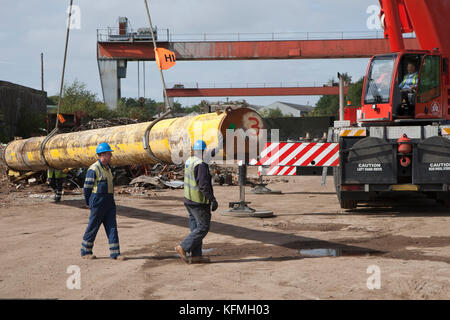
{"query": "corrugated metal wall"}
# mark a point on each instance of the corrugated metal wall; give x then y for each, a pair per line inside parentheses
(19, 107)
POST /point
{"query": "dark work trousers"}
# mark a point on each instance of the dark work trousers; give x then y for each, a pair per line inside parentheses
(199, 223)
(57, 186)
(103, 211)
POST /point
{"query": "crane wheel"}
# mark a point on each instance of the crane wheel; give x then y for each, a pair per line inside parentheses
(447, 203)
(348, 204)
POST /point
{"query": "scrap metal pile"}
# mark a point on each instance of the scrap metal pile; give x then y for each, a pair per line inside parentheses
(157, 177)
(104, 123)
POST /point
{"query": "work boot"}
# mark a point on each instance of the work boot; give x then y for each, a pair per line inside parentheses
(199, 259)
(181, 253)
(120, 258)
(88, 257)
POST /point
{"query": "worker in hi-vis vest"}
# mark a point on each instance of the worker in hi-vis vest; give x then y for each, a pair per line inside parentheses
(409, 80)
(200, 201)
(56, 179)
(99, 196)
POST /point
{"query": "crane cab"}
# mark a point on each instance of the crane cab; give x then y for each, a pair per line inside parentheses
(405, 86)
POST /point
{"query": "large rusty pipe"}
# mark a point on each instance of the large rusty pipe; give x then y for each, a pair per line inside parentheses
(167, 140)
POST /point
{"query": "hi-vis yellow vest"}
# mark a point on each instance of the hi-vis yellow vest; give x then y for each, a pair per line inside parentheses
(191, 189)
(53, 173)
(103, 182)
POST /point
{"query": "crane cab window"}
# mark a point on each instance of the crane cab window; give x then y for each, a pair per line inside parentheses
(409, 64)
(407, 82)
(378, 84)
(429, 85)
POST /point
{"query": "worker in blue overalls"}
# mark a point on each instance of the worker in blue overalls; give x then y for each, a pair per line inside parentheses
(99, 196)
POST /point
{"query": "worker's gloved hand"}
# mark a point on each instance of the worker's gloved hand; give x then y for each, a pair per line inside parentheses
(214, 205)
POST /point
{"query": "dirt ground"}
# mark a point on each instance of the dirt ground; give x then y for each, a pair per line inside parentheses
(407, 241)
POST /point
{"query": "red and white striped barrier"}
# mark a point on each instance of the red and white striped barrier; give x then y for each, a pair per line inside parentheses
(299, 154)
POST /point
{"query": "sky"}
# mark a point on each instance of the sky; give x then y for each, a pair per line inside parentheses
(31, 27)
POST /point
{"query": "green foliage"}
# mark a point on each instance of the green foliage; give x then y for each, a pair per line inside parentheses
(101, 111)
(194, 108)
(140, 109)
(329, 105)
(76, 97)
(355, 92)
(326, 106)
(346, 77)
(52, 100)
(271, 113)
(177, 108)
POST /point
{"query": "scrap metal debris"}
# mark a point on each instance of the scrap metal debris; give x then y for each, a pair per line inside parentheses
(158, 178)
(104, 123)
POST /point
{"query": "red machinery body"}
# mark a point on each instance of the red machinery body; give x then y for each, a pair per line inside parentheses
(351, 114)
(382, 99)
(401, 141)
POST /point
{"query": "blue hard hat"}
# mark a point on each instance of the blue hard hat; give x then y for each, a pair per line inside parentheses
(199, 145)
(103, 147)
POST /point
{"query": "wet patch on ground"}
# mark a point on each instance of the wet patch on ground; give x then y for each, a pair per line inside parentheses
(395, 246)
(163, 252)
(293, 226)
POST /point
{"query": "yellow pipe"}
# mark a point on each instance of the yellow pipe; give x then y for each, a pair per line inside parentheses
(167, 139)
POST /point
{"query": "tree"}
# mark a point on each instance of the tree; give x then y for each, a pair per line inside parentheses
(355, 92)
(76, 97)
(329, 105)
(272, 113)
(326, 106)
(195, 108)
(52, 100)
(347, 78)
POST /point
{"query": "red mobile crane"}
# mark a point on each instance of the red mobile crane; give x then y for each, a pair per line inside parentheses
(403, 140)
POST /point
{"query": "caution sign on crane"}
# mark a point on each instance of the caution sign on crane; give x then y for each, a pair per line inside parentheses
(165, 59)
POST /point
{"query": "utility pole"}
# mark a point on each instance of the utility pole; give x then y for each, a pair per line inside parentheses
(143, 71)
(42, 71)
(341, 96)
(139, 82)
